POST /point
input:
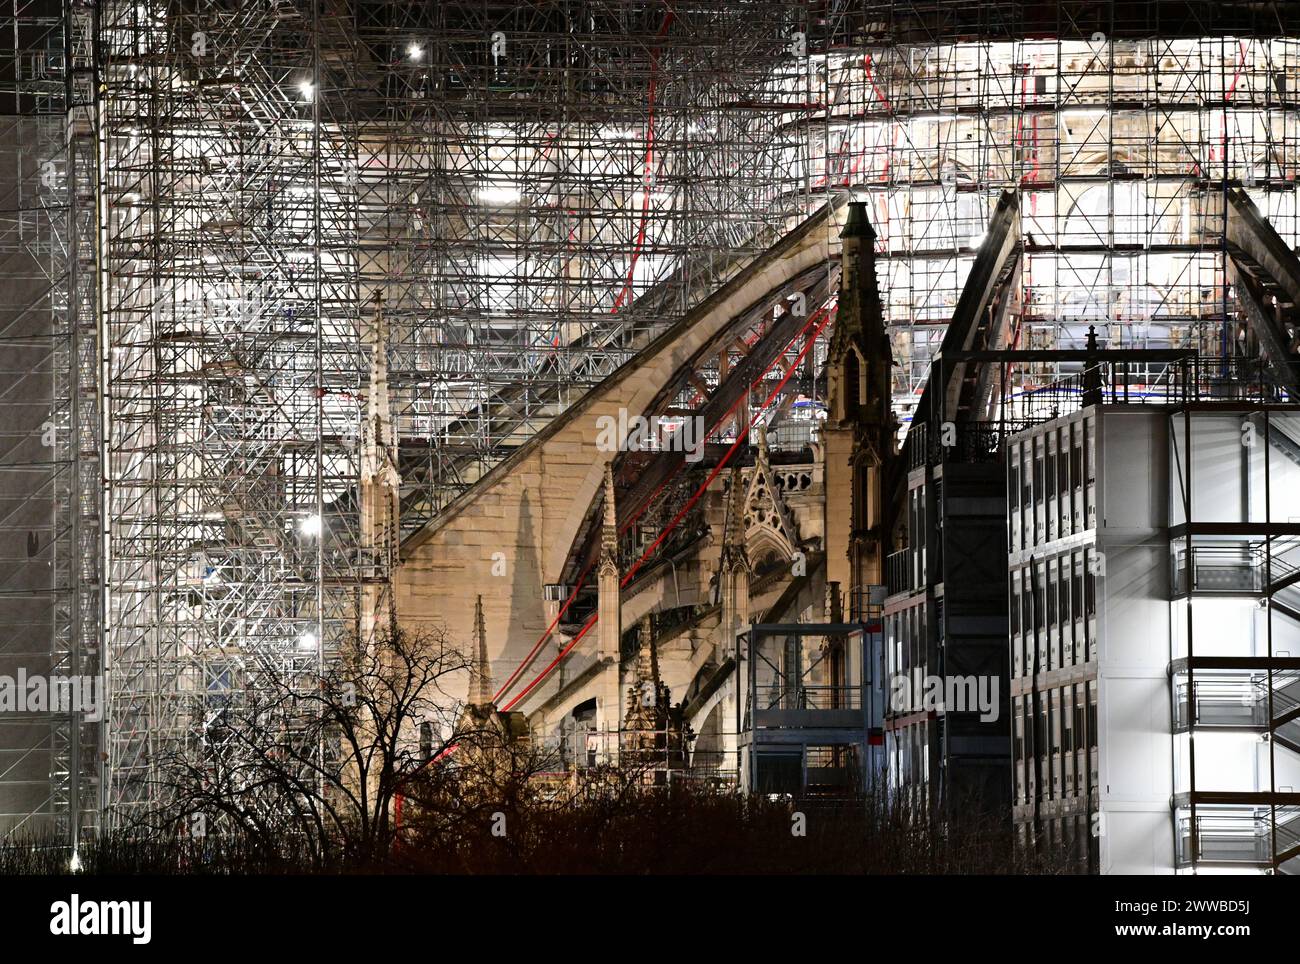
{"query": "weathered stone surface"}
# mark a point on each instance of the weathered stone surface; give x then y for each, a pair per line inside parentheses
(530, 507)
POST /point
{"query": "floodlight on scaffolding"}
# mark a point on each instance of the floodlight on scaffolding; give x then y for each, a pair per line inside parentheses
(1084, 113)
(499, 193)
(311, 525)
(307, 640)
(414, 51)
(307, 88)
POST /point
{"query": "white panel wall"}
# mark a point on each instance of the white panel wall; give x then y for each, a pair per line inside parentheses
(1286, 767)
(1218, 463)
(1284, 475)
(1133, 469)
(1136, 842)
(1228, 761)
(1134, 713)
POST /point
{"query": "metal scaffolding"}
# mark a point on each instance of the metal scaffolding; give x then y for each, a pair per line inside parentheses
(536, 191)
(1121, 133)
(567, 180)
(50, 599)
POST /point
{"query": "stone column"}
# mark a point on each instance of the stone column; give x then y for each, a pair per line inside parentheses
(609, 627)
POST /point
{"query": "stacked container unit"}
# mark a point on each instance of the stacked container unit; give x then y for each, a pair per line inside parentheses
(1087, 501)
(1051, 499)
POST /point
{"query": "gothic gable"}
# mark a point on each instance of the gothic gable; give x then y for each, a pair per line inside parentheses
(769, 524)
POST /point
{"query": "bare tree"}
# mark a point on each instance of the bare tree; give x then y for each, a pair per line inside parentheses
(323, 757)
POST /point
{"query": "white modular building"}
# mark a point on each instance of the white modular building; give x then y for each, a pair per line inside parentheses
(1155, 636)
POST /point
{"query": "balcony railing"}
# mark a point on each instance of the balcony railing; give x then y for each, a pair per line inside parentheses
(1227, 569)
(1234, 833)
(1221, 701)
(899, 572)
(866, 603)
(1241, 568)
(968, 443)
(1227, 838)
(776, 696)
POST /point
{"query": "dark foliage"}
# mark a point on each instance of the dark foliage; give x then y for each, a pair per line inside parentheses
(679, 830)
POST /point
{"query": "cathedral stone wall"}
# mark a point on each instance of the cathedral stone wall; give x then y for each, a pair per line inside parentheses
(508, 536)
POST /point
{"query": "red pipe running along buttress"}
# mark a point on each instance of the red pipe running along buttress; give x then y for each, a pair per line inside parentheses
(591, 621)
(628, 523)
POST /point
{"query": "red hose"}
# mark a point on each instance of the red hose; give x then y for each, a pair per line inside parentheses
(591, 621)
(649, 164)
(582, 577)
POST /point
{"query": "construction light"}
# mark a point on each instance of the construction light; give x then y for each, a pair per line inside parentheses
(307, 640)
(311, 525)
(499, 194)
(415, 51)
(307, 88)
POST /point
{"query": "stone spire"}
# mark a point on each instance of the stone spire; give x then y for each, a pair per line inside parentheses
(609, 609)
(647, 660)
(859, 436)
(380, 482)
(1092, 387)
(480, 670)
(857, 225)
(860, 356)
(643, 688)
(858, 293)
(733, 530)
(609, 526)
(379, 433)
